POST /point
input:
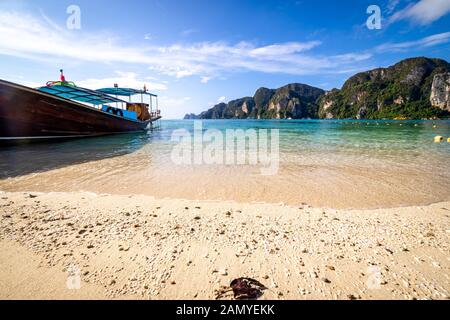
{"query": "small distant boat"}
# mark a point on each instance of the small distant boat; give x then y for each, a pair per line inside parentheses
(62, 110)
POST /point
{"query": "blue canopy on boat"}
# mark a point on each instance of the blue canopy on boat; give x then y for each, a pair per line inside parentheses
(79, 94)
(124, 92)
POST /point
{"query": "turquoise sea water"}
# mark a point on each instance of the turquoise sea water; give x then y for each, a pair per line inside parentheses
(336, 136)
(382, 157)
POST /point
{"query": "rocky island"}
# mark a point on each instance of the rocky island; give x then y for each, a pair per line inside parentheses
(415, 88)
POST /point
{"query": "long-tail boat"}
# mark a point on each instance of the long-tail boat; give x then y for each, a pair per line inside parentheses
(60, 109)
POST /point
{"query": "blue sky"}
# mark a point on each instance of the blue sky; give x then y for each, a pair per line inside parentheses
(196, 53)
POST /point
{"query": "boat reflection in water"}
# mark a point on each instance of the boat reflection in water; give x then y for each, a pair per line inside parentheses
(22, 159)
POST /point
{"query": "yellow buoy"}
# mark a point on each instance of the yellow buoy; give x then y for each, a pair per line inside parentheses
(448, 140)
(438, 139)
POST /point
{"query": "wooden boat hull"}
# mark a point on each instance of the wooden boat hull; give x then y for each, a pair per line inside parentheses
(28, 114)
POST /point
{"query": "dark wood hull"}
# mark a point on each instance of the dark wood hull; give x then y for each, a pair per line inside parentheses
(28, 114)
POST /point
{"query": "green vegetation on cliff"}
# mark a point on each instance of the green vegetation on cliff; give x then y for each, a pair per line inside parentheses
(415, 88)
(294, 101)
(400, 91)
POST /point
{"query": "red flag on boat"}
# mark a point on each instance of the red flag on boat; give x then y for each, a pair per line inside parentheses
(63, 79)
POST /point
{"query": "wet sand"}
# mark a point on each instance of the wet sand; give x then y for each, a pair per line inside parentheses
(142, 247)
(343, 183)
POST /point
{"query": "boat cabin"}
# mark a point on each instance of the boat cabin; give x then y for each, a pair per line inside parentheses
(147, 108)
(110, 100)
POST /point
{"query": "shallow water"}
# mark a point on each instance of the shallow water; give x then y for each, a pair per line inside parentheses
(326, 163)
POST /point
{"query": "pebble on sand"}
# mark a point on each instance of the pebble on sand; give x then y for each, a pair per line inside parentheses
(326, 280)
(223, 272)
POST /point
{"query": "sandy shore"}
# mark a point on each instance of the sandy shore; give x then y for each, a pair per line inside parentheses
(83, 245)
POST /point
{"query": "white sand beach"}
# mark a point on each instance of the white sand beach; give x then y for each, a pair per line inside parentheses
(140, 247)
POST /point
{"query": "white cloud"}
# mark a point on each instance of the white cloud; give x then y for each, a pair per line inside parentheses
(123, 79)
(50, 22)
(205, 79)
(25, 82)
(25, 35)
(221, 99)
(423, 12)
(426, 42)
(392, 5)
(173, 102)
(31, 37)
(353, 57)
(276, 50)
